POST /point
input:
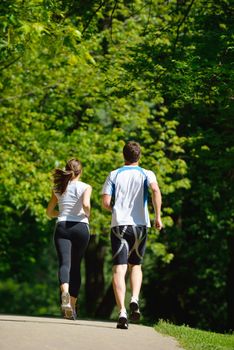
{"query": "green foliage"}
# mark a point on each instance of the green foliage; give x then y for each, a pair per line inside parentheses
(194, 339)
(81, 78)
(40, 300)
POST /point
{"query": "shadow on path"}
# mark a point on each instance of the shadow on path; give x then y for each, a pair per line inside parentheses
(50, 320)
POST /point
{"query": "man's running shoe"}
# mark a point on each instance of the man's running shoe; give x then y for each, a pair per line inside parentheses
(122, 321)
(134, 310)
(66, 306)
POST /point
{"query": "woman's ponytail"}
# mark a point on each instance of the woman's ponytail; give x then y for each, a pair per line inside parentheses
(62, 177)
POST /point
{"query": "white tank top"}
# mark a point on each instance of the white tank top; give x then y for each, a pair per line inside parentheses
(70, 202)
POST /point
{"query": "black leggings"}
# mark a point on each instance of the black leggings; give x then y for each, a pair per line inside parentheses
(71, 240)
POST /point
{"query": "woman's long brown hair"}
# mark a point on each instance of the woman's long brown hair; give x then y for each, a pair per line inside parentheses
(62, 177)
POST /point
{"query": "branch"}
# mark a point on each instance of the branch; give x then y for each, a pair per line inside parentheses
(91, 18)
(180, 24)
(112, 13)
(113, 10)
(148, 19)
(9, 64)
(29, 93)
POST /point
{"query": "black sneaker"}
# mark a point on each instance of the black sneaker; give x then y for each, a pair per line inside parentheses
(135, 314)
(122, 321)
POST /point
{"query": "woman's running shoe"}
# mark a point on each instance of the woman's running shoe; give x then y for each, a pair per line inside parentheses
(72, 316)
(66, 306)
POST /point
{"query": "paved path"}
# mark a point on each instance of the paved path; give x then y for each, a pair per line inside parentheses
(40, 333)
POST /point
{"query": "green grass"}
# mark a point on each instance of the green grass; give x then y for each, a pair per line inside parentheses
(194, 339)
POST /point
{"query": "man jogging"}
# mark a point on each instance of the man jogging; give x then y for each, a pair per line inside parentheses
(125, 195)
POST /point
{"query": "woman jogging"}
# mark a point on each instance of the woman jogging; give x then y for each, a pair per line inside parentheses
(71, 235)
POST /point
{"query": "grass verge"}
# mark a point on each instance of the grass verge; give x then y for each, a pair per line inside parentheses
(194, 339)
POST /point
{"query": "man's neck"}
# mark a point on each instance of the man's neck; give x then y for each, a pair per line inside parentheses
(132, 164)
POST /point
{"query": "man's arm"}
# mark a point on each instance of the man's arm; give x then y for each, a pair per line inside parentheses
(107, 190)
(157, 202)
(106, 202)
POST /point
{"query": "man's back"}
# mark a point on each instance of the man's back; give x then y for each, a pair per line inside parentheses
(128, 186)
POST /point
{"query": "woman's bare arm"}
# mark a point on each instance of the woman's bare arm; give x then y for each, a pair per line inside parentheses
(86, 201)
(50, 211)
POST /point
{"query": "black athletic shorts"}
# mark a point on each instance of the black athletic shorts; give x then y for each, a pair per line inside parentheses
(128, 244)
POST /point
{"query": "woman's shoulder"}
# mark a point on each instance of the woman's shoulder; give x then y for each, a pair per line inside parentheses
(83, 185)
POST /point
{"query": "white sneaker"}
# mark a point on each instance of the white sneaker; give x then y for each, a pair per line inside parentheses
(70, 315)
(134, 310)
(123, 320)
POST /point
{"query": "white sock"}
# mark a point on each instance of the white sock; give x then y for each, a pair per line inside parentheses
(123, 313)
(134, 300)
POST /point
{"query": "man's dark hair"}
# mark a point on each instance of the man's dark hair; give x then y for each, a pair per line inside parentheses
(132, 152)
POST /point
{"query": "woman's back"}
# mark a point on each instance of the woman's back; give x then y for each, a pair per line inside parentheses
(70, 202)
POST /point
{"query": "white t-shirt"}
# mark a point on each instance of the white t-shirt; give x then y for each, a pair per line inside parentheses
(70, 202)
(129, 188)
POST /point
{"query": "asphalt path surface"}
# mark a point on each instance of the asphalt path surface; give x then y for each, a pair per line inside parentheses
(42, 333)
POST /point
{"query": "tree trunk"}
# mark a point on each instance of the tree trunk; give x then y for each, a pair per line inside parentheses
(94, 273)
(107, 304)
(230, 284)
